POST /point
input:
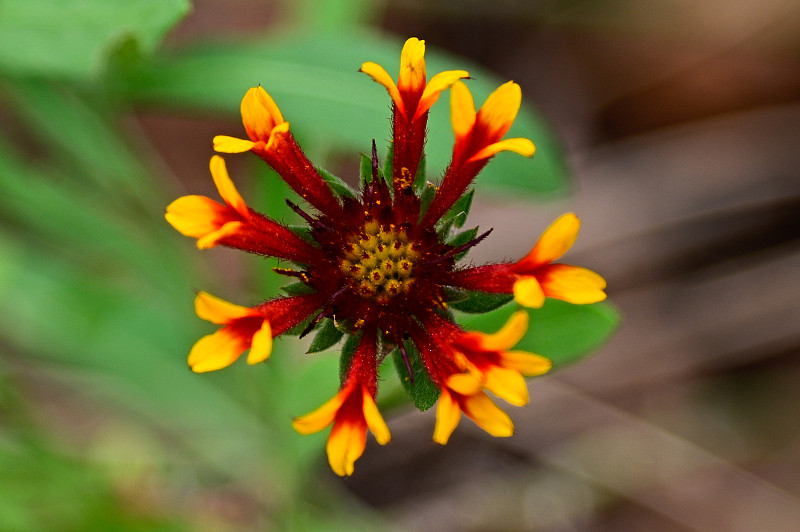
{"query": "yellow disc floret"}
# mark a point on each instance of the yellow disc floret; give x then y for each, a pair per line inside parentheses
(380, 261)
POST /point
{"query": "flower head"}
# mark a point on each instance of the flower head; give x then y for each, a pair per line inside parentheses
(380, 266)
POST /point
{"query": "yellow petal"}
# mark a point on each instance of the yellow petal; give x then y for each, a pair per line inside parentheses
(462, 109)
(225, 186)
(259, 114)
(447, 415)
(374, 419)
(226, 144)
(321, 417)
(554, 242)
(216, 310)
(507, 384)
(261, 348)
(508, 336)
(379, 74)
(500, 109)
(522, 146)
(573, 284)
(464, 383)
(283, 127)
(528, 292)
(412, 66)
(529, 364)
(346, 444)
(212, 239)
(433, 89)
(216, 351)
(488, 415)
(195, 216)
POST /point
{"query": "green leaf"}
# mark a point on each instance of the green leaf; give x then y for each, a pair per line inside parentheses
(313, 80)
(560, 331)
(338, 186)
(53, 38)
(422, 389)
(480, 302)
(327, 336)
(426, 198)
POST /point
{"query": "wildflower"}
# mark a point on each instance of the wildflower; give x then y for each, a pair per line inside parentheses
(380, 266)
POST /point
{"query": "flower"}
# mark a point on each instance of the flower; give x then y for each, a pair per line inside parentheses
(351, 412)
(535, 277)
(380, 266)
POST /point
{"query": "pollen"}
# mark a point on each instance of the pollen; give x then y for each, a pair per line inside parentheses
(379, 261)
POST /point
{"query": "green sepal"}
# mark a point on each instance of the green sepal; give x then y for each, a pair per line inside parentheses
(297, 288)
(327, 336)
(303, 232)
(366, 170)
(348, 350)
(457, 215)
(426, 198)
(462, 238)
(475, 302)
(452, 294)
(419, 179)
(339, 187)
(423, 391)
(388, 165)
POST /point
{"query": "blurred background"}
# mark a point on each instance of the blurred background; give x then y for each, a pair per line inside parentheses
(670, 127)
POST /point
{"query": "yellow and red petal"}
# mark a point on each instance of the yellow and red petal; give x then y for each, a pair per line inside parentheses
(434, 88)
(529, 364)
(487, 415)
(507, 384)
(219, 311)
(215, 237)
(217, 351)
(261, 346)
(277, 134)
(572, 284)
(196, 216)
(411, 78)
(225, 186)
(226, 144)
(346, 444)
(323, 416)
(507, 337)
(259, 114)
(554, 242)
(521, 146)
(379, 75)
(374, 420)
(464, 383)
(528, 292)
(462, 110)
(499, 111)
(448, 413)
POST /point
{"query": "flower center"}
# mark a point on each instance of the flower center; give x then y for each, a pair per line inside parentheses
(379, 261)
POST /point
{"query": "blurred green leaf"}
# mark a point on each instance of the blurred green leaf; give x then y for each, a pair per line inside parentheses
(560, 331)
(315, 82)
(57, 39)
